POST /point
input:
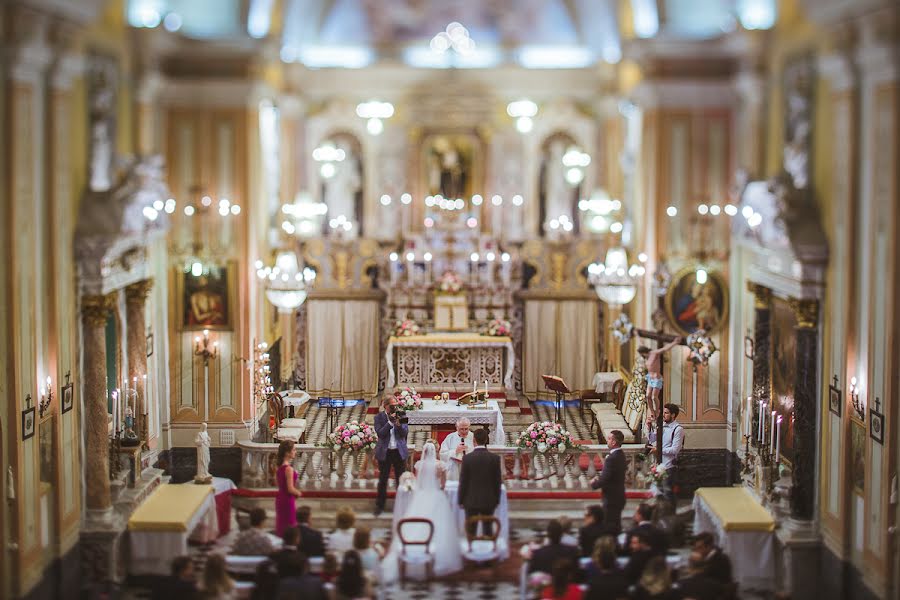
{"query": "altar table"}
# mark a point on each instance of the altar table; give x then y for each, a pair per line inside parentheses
(603, 382)
(160, 527)
(450, 362)
(451, 490)
(433, 413)
(744, 530)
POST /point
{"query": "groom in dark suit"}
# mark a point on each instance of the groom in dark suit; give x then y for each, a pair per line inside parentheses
(612, 481)
(479, 481)
(390, 450)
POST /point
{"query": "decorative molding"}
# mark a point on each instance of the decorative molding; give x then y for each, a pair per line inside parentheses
(806, 312)
(95, 309)
(137, 293)
(762, 296)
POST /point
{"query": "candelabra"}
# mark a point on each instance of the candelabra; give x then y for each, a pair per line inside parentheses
(203, 349)
(46, 398)
(262, 381)
(858, 405)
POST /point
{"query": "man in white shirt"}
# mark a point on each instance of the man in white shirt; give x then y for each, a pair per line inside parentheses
(455, 446)
(673, 442)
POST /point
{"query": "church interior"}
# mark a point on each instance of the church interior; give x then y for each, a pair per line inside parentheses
(262, 256)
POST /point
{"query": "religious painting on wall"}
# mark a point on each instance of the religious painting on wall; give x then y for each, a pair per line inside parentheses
(692, 305)
(450, 161)
(205, 300)
(784, 370)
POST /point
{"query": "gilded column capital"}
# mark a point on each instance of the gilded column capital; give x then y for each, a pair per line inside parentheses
(807, 313)
(95, 309)
(137, 293)
(762, 296)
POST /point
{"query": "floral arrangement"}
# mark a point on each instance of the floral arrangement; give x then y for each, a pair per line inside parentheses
(498, 327)
(353, 436)
(450, 282)
(406, 328)
(545, 437)
(621, 328)
(408, 399)
(537, 582)
(657, 475)
(701, 346)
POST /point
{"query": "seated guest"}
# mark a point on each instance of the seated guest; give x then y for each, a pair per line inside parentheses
(640, 556)
(695, 584)
(716, 563)
(562, 587)
(341, 539)
(216, 582)
(265, 583)
(311, 541)
(643, 521)
(289, 543)
(330, 568)
(567, 538)
(369, 555)
(180, 584)
(655, 582)
(543, 558)
(351, 582)
(254, 541)
(296, 582)
(593, 529)
(606, 581)
(670, 524)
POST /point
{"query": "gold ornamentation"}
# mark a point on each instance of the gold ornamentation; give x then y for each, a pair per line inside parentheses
(557, 269)
(341, 269)
(367, 247)
(807, 313)
(137, 293)
(95, 310)
(762, 296)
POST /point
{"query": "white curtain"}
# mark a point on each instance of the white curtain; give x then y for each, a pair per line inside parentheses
(560, 339)
(342, 348)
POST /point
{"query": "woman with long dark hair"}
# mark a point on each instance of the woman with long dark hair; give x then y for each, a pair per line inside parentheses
(288, 492)
(351, 583)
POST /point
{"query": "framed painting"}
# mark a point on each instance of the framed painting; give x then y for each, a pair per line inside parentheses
(206, 300)
(858, 456)
(784, 369)
(68, 397)
(834, 399)
(748, 347)
(691, 305)
(28, 423)
(876, 423)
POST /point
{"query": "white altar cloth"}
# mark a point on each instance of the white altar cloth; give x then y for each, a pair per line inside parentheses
(433, 413)
(451, 490)
(603, 382)
(155, 543)
(451, 340)
(745, 534)
(296, 398)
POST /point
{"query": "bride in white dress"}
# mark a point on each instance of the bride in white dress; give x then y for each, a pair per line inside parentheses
(428, 501)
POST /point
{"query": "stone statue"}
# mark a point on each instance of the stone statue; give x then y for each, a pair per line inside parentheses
(202, 441)
(342, 187)
(557, 192)
(103, 80)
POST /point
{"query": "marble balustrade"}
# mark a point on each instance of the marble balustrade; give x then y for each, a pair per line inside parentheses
(327, 469)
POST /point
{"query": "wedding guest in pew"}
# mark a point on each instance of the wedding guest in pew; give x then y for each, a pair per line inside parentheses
(655, 582)
(217, 584)
(641, 553)
(351, 582)
(341, 539)
(594, 528)
(643, 521)
(255, 540)
(606, 581)
(694, 583)
(295, 581)
(543, 558)
(567, 538)
(312, 543)
(330, 568)
(265, 583)
(289, 547)
(370, 554)
(180, 584)
(562, 586)
(716, 563)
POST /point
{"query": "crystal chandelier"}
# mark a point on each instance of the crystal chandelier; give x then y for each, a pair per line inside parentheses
(286, 284)
(615, 281)
(203, 235)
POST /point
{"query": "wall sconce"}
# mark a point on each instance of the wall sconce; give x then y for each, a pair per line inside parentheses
(202, 347)
(46, 398)
(858, 405)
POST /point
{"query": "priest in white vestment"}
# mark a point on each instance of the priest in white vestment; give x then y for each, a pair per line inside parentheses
(455, 446)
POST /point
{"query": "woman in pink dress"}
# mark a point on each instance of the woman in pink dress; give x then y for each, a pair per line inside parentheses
(288, 492)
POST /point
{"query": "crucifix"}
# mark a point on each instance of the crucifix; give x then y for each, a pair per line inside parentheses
(664, 341)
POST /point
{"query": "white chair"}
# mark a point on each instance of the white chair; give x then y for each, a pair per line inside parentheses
(479, 548)
(415, 535)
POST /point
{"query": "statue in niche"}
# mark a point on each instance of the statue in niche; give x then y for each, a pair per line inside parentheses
(102, 100)
(557, 194)
(341, 190)
(447, 169)
(798, 83)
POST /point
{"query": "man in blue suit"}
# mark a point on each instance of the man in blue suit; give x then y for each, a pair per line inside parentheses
(390, 451)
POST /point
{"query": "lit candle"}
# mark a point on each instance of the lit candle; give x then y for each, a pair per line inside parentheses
(409, 268)
(146, 405)
(778, 441)
(772, 442)
(473, 387)
(490, 269)
(505, 268)
(474, 258)
(395, 271)
(485, 388)
(760, 425)
(428, 271)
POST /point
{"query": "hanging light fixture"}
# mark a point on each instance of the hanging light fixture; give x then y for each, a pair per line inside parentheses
(614, 280)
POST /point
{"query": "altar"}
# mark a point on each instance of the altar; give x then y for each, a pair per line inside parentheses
(435, 413)
(450, 362)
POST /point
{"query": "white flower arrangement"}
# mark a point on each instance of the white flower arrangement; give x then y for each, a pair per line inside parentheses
(450, 282)
(545, 437)
(701, 347)
(408, 399)
(353, 436)
(406, 328)
(498, 327)
(622, 328)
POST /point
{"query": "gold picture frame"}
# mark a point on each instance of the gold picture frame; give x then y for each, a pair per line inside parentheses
(685, 310)
(206, 301)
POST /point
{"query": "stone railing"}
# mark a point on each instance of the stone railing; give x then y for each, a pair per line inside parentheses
(325, 469)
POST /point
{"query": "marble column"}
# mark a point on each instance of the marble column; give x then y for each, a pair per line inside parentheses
(135, 301)
(762, 332)
(803, 489)
(95, 311)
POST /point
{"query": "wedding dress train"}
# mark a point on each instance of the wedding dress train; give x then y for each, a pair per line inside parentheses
(429, 502)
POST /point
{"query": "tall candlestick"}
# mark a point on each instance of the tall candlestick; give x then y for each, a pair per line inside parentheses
(778, 441)
(485, 388)
(473, 387)
(146, 405)
(759, 427)
(772, 442)
(409, 268)
(505, 268)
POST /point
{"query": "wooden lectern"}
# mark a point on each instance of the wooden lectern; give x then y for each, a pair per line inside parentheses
(556, 384)
(451, 312)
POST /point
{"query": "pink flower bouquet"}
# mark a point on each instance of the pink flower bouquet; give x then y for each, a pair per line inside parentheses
(353, 436)
(545, 437)
(450, 282)
(408, 399)
(498, 327)
(406, 328)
